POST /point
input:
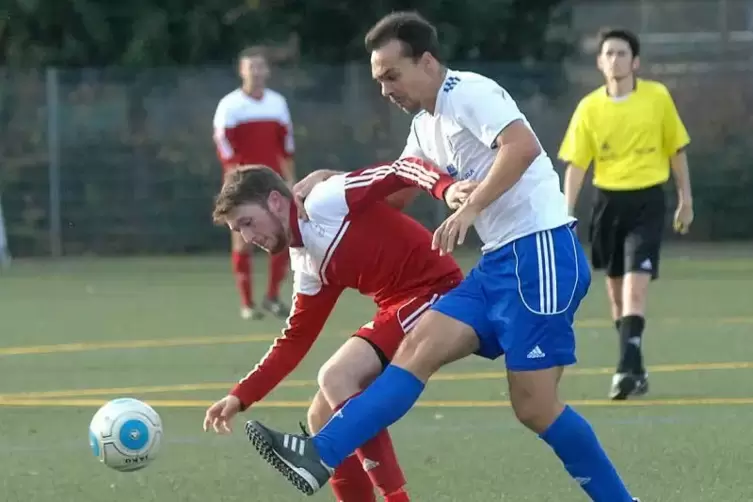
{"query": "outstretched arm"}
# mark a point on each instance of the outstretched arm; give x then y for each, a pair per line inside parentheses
(307, 318)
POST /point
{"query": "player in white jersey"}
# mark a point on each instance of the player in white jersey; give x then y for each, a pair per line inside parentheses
(519, 300)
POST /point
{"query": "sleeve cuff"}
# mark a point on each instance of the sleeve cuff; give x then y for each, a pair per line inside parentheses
(441, 186)
(574, 163)
(238, 392)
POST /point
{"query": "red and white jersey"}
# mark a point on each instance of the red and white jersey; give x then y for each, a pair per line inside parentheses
(353, 239)
(253, 131)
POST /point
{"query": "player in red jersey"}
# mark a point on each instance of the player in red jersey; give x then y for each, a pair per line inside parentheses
(252, 125)
(351, 239)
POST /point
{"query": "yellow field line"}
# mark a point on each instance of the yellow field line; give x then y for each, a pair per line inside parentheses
(239, 339)
(149, 389)
(133, 344)
(189, 403)
(441, 377)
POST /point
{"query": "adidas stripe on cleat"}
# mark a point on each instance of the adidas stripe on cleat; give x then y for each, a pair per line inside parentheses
(292, 455)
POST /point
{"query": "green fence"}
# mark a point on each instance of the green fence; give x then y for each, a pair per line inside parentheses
(96, 161)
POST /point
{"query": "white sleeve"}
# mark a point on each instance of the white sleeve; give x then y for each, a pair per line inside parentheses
(287, 121)
(221, 122)
(412, 146)
(221, 115)
(484, 108)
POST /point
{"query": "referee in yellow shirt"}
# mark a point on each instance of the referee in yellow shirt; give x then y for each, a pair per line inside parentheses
(630, 130)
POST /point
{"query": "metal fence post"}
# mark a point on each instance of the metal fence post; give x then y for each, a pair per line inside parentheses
(53, 157)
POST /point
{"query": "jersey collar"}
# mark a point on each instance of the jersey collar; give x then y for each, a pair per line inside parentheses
(635, 87)
(295, 228)
(259, 98)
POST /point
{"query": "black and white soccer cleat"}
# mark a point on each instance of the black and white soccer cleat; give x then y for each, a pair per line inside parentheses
(275, 307)
(625, 385)
(293, 455)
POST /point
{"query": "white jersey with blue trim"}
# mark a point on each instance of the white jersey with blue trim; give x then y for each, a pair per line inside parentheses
(460, 138)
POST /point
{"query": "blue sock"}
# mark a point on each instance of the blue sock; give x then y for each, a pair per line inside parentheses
(383, 403)
(575, 443)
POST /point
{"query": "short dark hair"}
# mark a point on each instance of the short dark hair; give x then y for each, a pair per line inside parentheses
(249, 184)
(416, 34)
(253, 51)
(620, 34)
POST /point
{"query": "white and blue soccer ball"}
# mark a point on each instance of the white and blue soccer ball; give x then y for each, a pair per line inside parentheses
(126, 434)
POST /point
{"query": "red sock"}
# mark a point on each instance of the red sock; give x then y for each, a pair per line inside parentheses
(398, 496)
(278, 268)
(242, 271)
(380, 463)
(350, 483)
(379, 460)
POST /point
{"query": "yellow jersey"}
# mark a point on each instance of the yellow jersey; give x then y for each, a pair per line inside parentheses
(630, 140)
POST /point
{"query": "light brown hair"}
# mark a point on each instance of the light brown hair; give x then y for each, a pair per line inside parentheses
(250, 184)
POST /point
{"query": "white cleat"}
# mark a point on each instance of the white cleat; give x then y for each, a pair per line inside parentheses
(250, 313)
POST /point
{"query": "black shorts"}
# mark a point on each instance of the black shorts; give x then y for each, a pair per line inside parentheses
(626, 231)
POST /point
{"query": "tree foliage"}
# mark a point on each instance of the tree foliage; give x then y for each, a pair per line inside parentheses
(170, 32)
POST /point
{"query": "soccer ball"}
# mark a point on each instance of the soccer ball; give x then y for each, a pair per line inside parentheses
(125, 434)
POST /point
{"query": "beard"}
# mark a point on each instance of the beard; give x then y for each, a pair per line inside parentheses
(280, 240)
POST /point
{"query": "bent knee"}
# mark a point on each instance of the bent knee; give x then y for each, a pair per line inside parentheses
(340, 380)
(536, 412)
(528, 412)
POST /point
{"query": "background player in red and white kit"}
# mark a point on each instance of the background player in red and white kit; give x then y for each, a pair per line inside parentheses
(351, 239)
(252, 125)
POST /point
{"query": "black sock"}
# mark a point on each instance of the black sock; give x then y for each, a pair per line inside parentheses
(631, 337)
(622, 344)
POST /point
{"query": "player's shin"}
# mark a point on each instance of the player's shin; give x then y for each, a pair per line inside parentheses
(383, 403)
(575, 443)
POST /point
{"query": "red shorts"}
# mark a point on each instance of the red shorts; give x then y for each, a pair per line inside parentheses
(389, 326)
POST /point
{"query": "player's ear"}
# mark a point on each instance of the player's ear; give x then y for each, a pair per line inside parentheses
(275, 202)
(426, 61)
(636, 63)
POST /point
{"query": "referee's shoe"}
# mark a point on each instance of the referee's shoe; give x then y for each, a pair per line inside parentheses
(625, 385)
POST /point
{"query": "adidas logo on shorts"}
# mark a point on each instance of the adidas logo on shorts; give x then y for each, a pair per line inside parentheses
(536, 353)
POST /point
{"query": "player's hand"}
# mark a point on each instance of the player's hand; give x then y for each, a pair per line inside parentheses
(457, 193)
(453, 230)
(221, 413)
(683, 217)
(303, 188)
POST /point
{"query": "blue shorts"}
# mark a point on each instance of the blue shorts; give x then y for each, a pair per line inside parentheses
(521, 300)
